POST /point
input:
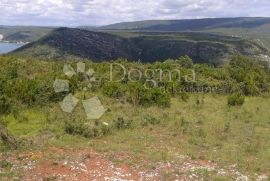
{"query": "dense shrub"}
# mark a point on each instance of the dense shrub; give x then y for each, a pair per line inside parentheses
(44, 92)
(97, 128)
(236, 100)
(252, 74)
(30, 92)
(114, 89)
(24, 90)
(139, 95)
(33, 85)
(87, 130)
(73, 127)
(160, 98)
(170, 87)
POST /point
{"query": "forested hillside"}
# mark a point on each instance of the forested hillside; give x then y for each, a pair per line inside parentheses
(67, 43)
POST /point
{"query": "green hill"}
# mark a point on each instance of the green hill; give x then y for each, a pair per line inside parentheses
(253, 29)
(71, 43)
(189, 24)
(74, 43)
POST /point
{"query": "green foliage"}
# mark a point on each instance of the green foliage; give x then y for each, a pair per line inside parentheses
(25, 91)
(23, 84)
(12, 72)
(5, 164)
(31, 92)
(208, 127)
(236, 100)
(184, 96)
(121, 123)
(251, 74)
(91, 130)
(149, 120)
(114, 89)
(159, 98)
(96, 128)
(185, 62)
(245, 75)
(139, 95)
(5, 105)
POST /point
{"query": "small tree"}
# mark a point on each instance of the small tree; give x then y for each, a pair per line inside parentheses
(185, 62)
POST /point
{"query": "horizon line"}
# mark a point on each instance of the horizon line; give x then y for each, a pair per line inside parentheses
(96, 26)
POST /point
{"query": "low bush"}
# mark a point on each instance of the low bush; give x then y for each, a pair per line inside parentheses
(185, 62)
(184, 96)
(24, 90)
(149, 120)
(185, 126)
(97, 128)
(251, 73)
(139, 95)
(160, 98)
(114, 89)
(236, 100)
(121, 123)
(73, 128)
(5, 105)
(87, 130)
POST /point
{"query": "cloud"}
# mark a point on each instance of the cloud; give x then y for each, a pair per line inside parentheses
(100, 12)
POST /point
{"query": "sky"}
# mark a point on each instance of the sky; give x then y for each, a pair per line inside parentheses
(103, 12)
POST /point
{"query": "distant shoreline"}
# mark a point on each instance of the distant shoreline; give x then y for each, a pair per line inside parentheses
(14, 42)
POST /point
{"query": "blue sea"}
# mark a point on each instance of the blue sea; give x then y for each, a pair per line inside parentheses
(8, 47)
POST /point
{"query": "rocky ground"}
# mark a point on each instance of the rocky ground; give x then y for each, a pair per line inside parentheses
(84, 164)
